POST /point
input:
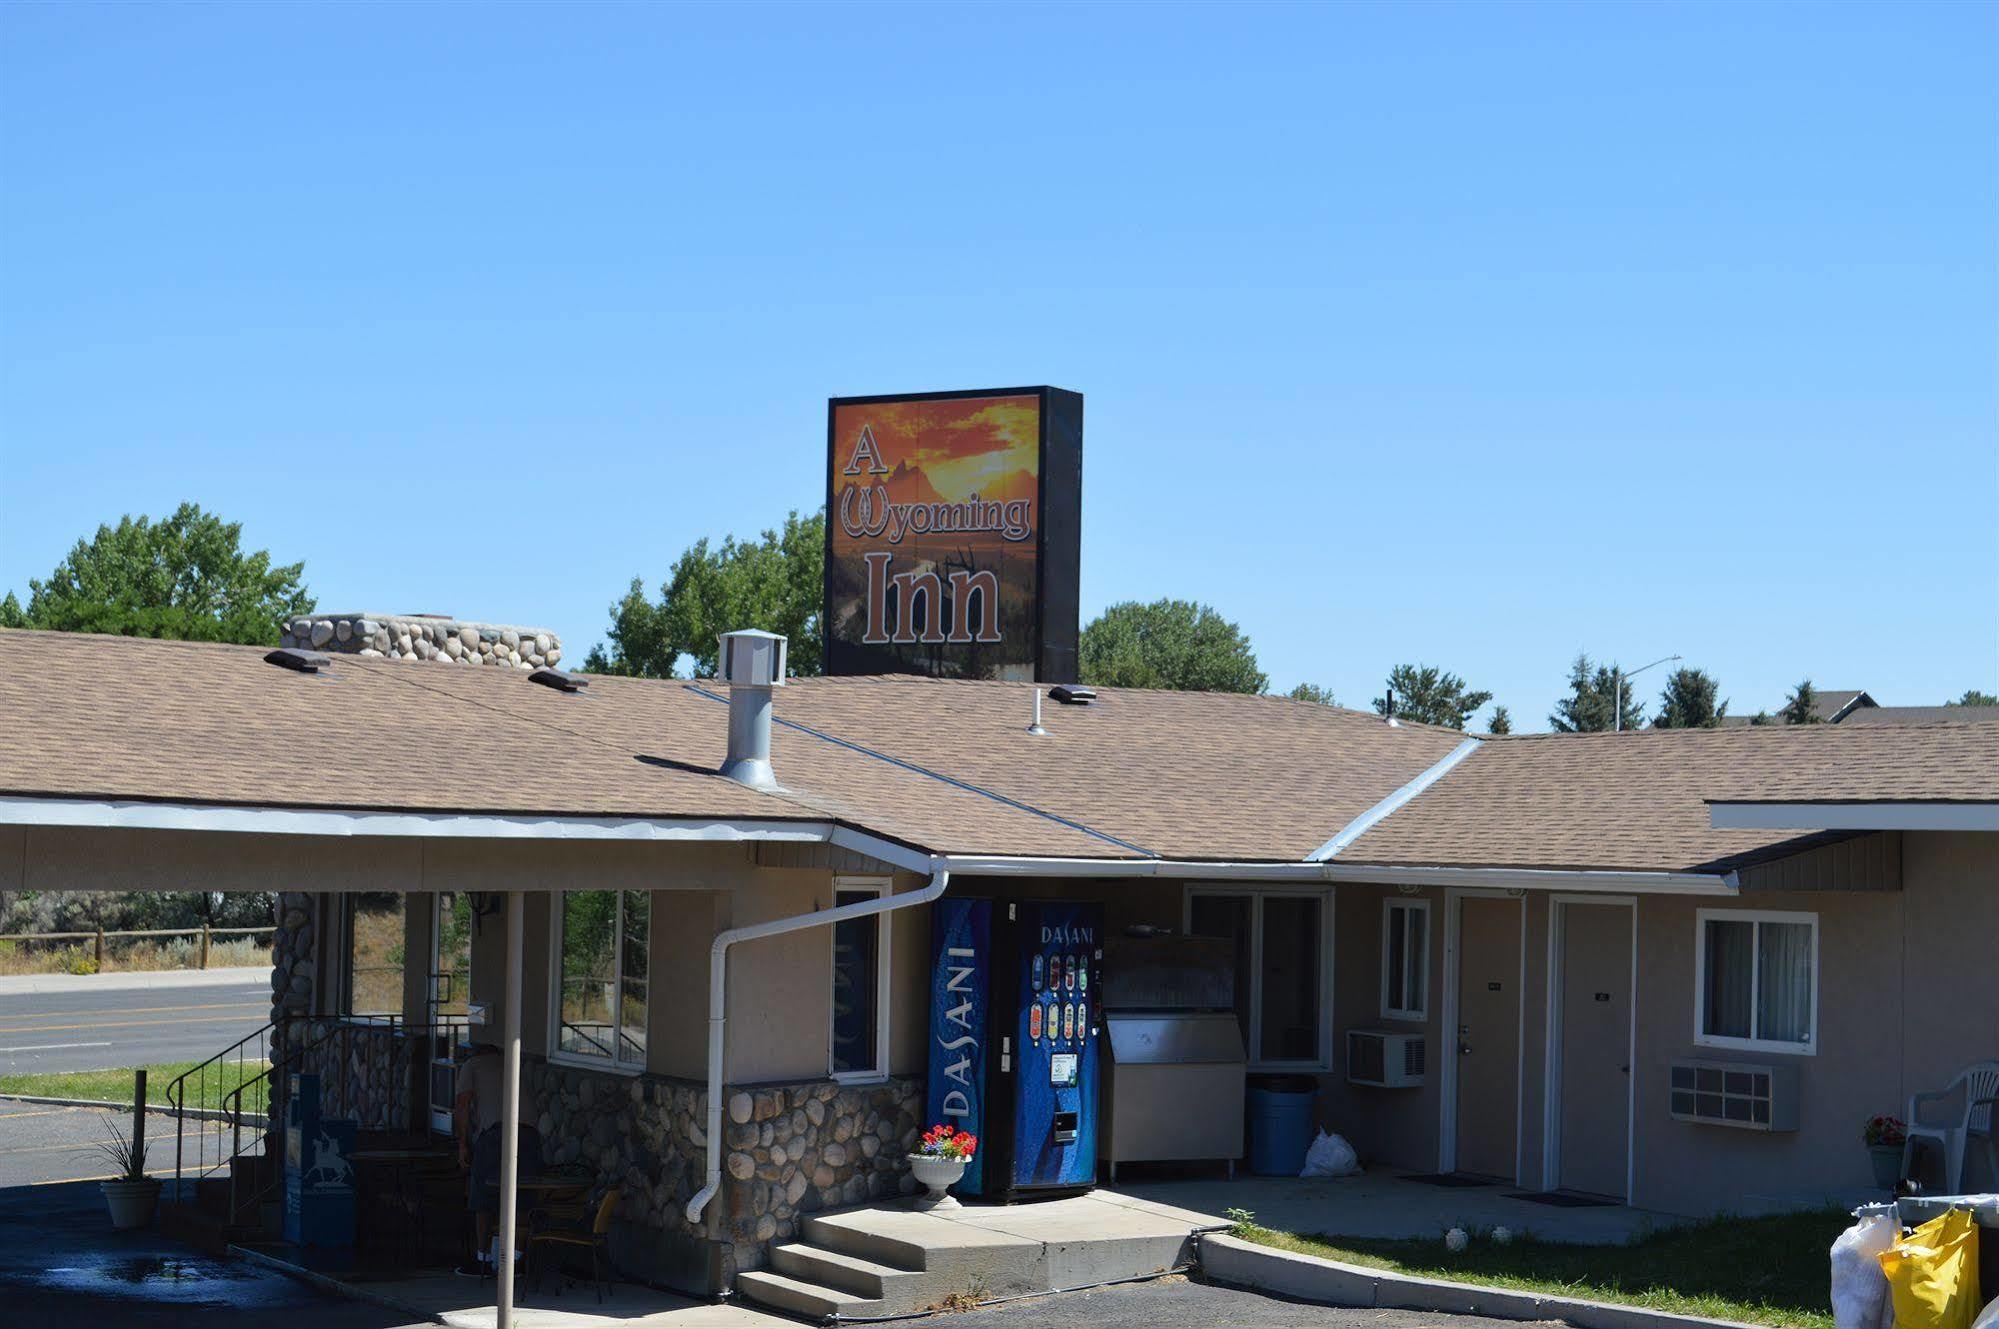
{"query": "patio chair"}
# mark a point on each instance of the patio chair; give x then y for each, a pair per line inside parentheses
(1979, 1084)
(595, 1239)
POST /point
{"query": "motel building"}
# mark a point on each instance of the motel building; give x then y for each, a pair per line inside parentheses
(1675, 970)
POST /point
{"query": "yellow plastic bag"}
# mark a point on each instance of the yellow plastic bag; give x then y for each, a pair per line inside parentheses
(1933, 1274)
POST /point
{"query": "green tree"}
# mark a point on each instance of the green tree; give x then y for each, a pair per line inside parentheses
(1168, 644)
(186, 577)
(1312, 692)
(1973, 697)
(1688, 701)
(1502, 721)
(775, 582)
(1592, 704)
(1802, 706)
(1429, 695)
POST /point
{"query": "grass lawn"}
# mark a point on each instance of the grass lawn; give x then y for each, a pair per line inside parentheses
(206, 1090)
(1759, 1270)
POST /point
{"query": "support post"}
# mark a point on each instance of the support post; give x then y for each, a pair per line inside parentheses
(139, 1112)
(204, 945)
(100, 950)
(510, 1112)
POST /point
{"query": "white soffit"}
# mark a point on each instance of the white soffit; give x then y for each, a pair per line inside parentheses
(1903, 816)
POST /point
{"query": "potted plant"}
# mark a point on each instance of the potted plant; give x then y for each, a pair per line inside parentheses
(938, 1163)
(132, 1196)
(1885, 1137)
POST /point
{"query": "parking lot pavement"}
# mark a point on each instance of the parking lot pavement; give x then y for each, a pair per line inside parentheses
(40, 1144)
(62, 1267)
(1170, 1302)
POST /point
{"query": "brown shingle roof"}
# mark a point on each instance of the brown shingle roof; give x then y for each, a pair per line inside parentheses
(944, 765)
(1638, 800)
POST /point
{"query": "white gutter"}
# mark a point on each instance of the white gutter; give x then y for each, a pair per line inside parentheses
(718, 999)
(137, 815)
(1367, 820)
(1644, 883)
(1827, 816)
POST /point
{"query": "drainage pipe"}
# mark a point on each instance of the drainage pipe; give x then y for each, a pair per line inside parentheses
(718, 999)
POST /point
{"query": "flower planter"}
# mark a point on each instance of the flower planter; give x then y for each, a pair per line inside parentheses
(1887, 1164)
(132, 1203)
(937, 1175)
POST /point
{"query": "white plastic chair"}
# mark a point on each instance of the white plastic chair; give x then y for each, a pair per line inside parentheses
(1980, 1085)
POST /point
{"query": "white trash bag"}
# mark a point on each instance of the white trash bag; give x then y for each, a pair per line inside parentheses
(1859, 1288)
(1332, 1156)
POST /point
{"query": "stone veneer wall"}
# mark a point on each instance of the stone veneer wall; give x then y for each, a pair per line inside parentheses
(294, 973)
(423, 637)
(789, 1150)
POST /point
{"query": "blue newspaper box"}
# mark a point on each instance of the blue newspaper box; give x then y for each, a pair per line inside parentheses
(319, 1171)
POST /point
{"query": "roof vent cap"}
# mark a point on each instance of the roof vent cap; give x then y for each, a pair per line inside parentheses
(1070, 694)
(302, 662)
(560, 680)
(751, 658)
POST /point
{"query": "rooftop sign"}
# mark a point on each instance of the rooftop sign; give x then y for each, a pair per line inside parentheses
(953, 532)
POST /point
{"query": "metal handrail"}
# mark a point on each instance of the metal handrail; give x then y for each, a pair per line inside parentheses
(345, 1030)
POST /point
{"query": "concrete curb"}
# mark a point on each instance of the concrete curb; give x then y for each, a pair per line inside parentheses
(161, 1109)
(327, 1283)
(1245, 1264)
(122, 980)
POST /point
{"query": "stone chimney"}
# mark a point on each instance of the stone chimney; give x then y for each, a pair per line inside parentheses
(437, 637)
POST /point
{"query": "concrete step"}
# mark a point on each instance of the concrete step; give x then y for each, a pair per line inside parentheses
(798, 1297)
(837, 1269)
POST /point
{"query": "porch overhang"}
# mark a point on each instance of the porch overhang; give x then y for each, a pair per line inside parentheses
(1852, 815)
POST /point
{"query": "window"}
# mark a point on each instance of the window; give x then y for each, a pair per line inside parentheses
(859, 1021)
(1280, 969)
(602, 945)
(376, 938)
(1405, 959)
(1756, 980)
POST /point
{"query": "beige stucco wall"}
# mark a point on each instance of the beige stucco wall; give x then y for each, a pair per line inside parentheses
(1683, 1167)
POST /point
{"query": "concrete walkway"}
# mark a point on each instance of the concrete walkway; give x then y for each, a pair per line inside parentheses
(467, 1303)
(1385, 1203)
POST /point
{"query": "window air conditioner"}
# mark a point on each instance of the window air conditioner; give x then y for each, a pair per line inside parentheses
(1388, 1060)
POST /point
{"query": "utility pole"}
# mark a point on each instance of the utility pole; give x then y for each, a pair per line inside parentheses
(1617, 677)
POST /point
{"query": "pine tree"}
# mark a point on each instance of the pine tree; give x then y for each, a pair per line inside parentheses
(1688, 701)
(1802, 706)
(1312, 692)
(1502, 723)
(1592, 704)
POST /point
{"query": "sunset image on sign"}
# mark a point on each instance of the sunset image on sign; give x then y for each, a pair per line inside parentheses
(933, 526)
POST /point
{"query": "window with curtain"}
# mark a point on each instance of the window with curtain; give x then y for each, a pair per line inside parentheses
(602, 947)
(859, 944)
(1280, 969)
(1758, 979)
(1405, 959)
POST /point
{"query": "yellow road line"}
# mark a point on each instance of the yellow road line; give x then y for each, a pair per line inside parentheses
(40, 1112)
(149, 1010)
(64, 1181)
(119, 1024)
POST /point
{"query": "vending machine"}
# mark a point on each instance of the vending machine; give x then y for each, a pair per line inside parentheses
(1014, 1030)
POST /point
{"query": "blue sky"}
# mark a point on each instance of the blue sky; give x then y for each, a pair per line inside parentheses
(1468, 335)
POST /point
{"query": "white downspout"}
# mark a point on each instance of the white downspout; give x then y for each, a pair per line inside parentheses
(718, 999)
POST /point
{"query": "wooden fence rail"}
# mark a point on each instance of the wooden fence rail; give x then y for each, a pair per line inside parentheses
(99, 935)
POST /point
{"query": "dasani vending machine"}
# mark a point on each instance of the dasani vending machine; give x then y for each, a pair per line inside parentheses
(1014, 1030)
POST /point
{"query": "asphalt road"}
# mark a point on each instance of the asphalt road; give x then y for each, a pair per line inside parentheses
(41, 1144)
(93, 1028)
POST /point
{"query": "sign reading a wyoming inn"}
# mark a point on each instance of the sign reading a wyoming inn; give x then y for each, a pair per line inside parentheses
(953, 531)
